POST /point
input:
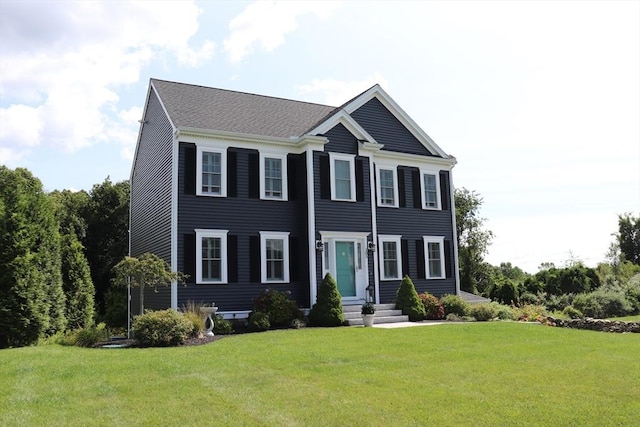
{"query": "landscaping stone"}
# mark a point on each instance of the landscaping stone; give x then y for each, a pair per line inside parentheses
(596, 324)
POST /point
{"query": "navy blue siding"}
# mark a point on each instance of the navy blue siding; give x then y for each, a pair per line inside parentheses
(412, 223)
(387, 129)
(244, 216)
(151, 197)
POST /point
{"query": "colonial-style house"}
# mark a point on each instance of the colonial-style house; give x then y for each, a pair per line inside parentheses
(245, 192)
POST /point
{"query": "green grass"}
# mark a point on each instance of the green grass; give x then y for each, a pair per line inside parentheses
(635, 318)
(476, 374)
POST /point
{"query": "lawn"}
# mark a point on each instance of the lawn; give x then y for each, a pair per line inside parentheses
(474, 374)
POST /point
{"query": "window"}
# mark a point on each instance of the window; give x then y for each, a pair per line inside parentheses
(434, 255)
(211, 173)
(430, 190)
(273, 177)
(390, 257)
(211, 256)
(343, 182)
(274, 257)
(387, 187)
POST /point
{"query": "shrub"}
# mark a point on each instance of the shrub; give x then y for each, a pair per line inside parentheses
(505, 291)
(197, 323)
(452, 317)
(602, 304)
(454, 304)
(89, 336)
(258, 322)
(531, 312)
(432, 306)
(559, 302)
(161, 328)
(278, 306)
(222, 326)
(297, 324)
(483, 312)
(505, 312)
(327, 311)
(408, 301)
(532, 298)
(572, 313)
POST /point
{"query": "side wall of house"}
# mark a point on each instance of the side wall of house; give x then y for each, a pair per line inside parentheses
(150, 226)
(244, 215)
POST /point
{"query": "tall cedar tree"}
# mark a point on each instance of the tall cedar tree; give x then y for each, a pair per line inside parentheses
(327, 311)
(409, 302)
(32, 302)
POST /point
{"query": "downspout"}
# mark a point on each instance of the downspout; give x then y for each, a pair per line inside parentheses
(174, 217)
(374, 228)
(311, 227)
(455, 227)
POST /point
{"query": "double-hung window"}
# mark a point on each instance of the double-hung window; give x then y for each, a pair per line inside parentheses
(434, 256)
(211, 173)
(387, 186)
(274, 248)
(343, 180)
(390, 257)
(211, 256)
(430, 190)
(273, 176)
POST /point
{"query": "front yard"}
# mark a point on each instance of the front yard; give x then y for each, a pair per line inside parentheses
(495, 373)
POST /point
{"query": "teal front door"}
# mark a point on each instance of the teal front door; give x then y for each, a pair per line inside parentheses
(346, 269)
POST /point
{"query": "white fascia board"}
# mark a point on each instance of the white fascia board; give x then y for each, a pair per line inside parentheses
(414, 160)
(348, 122)
(295, 145)
(377, 92)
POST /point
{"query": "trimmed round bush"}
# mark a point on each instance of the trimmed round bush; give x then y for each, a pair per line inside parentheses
(161, 328)
(432, 306)
(222, 326)
(258, 322)
(454, 304)
(279, 307)
(483, 312)
(408, 301)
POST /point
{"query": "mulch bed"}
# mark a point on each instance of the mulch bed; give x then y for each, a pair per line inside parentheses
(127, 343)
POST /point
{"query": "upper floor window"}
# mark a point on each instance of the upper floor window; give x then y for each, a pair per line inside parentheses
(430, 190)
(390, 257)
(211, 256)
(273, 177)
(387, 187)
(434, 251)
(343, 182)
(211, 173)
(274, 257)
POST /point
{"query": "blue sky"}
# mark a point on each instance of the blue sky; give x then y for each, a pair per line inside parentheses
(539, 101)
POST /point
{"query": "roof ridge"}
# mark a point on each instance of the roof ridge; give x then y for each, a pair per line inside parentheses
(243, 93)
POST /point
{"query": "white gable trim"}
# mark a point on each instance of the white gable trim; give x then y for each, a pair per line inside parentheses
(377, 92)
(347, 121)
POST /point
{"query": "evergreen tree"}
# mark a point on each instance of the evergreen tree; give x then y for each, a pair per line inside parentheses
(409, 302)
(31, 298)
(77, 284)
(327, 311)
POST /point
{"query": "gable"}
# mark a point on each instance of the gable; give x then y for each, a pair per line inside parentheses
(341, 140)
(386, 129)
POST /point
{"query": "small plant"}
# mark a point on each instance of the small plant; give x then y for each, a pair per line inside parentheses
(89, 336)
(297, 324)
(222, 326)
(483, 312)
(161, 328)
(258, 322)
(197, 323)
(531, 313)
(408, 301)
(572, 313)
(432, 306)
(454, 304)
(368, 308)
(506, 312)
(327, 311)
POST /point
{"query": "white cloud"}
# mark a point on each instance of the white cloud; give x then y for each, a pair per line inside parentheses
(63, 62)
(265, 23)
(337, 92)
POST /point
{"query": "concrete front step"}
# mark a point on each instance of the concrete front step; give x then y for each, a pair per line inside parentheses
(385, 313)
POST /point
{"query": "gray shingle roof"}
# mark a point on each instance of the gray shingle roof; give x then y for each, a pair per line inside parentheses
(225, 110)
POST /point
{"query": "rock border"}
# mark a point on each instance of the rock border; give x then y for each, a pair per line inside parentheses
(601, 325)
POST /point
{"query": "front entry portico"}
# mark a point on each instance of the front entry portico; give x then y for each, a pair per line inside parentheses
(345, 257)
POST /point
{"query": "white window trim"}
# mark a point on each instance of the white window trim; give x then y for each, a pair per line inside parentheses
(284, 236)
(397, 240)
(223, 171)
(283, 159)
(434, 239)
(347, 158)
(222, 235)
(395, 186)
(424, 172)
